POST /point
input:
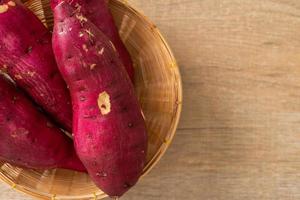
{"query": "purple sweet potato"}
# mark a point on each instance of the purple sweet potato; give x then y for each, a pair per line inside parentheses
(109, 129)
(26, 55)
(28, 138)
(98, 13)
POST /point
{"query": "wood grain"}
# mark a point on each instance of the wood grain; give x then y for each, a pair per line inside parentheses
(239, 136)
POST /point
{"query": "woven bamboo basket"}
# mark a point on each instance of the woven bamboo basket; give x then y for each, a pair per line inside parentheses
(157, 85)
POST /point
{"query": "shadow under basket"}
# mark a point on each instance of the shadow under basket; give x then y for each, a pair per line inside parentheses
(159, 90)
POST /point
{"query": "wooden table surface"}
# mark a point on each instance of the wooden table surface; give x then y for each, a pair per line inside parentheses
(239, 135)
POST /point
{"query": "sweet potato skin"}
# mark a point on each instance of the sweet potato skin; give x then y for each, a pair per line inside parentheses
(28, 138)
(98, 13)
(109, 130)
(26, 55)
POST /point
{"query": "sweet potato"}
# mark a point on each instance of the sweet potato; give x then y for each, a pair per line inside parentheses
(98, 13)
(109, 129)
(28, 138)
(26, 55)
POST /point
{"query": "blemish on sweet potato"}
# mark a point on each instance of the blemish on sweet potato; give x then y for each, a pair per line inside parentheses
(92, 66)
(3, 69)
(81, 18)
(130, 125)
(80, 34)
(92, 41)
(124, 109)
(49, 124)
(18, 76)
(29, 49)
(83, 63)
(61, 30)
(81, 88)
(8, 118)
(84, 47)
(14, 99)
(30, 73)
(89, 116)
(101, 51)
(3, 8)
(127, 185)
(113, 46)
(82, 98)
(101, 174)
(104, 103)
(89, 33)
(19, 132)
(78, 6)
(11, 3)
(52, 74)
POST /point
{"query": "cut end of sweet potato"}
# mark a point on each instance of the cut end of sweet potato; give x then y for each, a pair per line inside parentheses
(3, 8)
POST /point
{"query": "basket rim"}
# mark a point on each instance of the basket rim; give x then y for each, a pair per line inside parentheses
(163, 148)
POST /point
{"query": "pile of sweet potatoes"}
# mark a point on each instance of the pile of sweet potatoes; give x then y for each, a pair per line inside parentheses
(80, 78)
